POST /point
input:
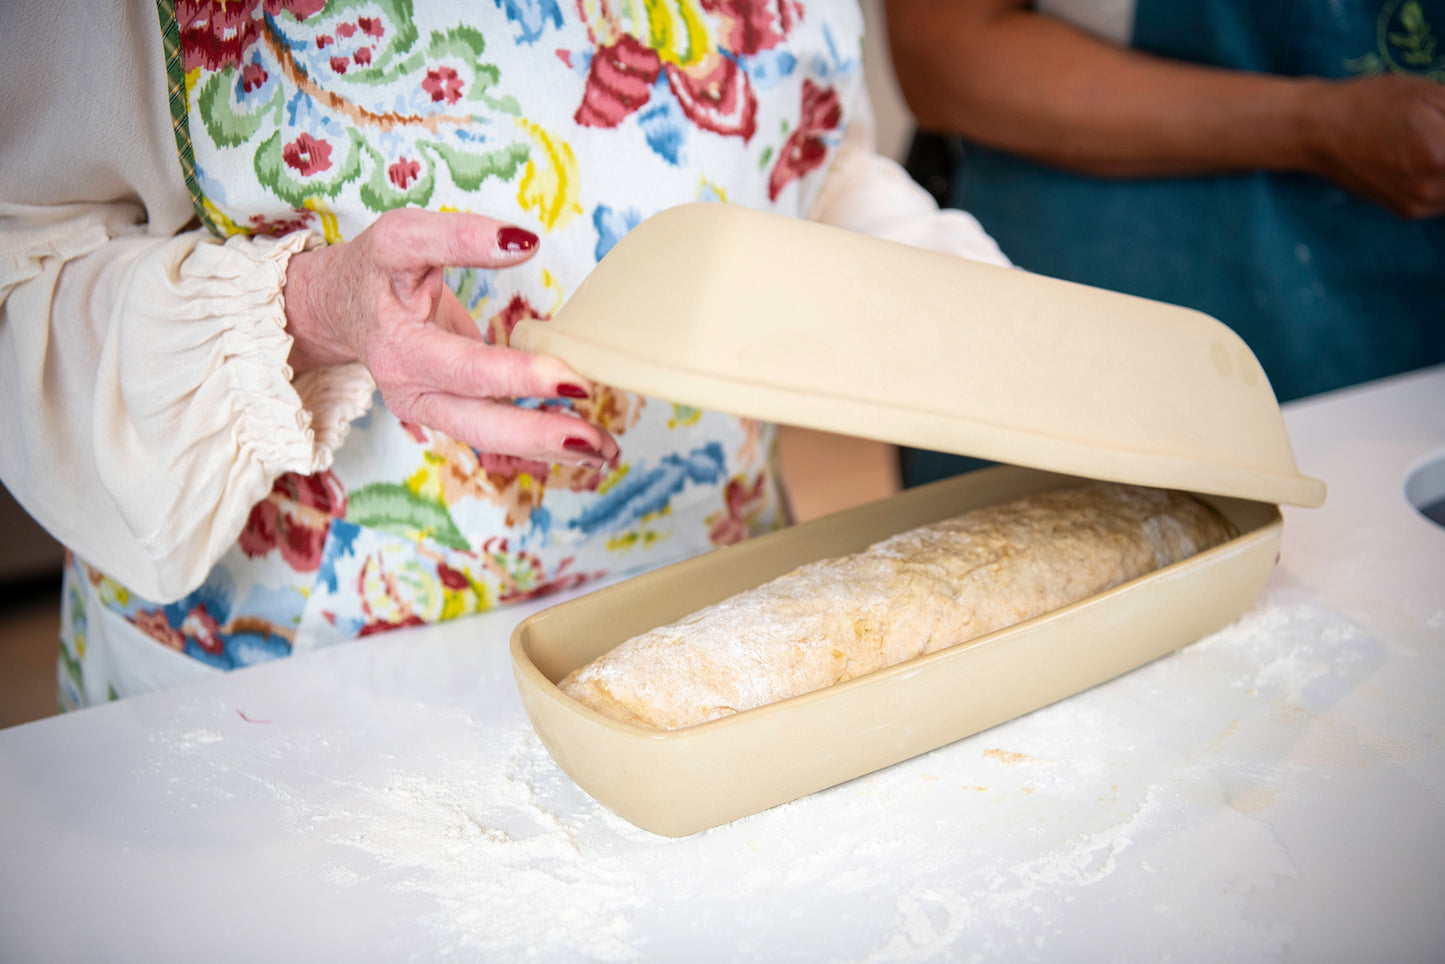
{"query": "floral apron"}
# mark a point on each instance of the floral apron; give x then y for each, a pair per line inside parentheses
(575, 121)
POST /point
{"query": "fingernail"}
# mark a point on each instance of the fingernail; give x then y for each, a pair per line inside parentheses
(516, 239)
(569, 390)
(580, 445)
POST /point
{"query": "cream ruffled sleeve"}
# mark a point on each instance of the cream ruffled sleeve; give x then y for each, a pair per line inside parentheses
(147, 400)
(155, 406)
(872, 194)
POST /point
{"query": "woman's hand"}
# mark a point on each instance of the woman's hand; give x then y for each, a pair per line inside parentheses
(380, 300)
(1383, 137)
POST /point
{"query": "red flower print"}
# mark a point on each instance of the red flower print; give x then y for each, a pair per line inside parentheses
(308, 155)
(322, 492)
(371, 26)
(216, 33)
(450, 578)
(324, 40)
(202, 627)
(300, 9)
(741, 502)
(252, 76)
(526, 576)
(748, 26)
(717, 98)
(561, 583)
(501, 469)
(345, 29)
(500, 325)
(295, 518)
(403, 172)
(362, 56)
(153, 623)
(619, 81)
(805, 148)
(443, 84)
(280, 227)
(377, 589)
(380, 625)
(339, 64)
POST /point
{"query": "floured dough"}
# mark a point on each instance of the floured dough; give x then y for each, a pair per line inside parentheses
(914, 593)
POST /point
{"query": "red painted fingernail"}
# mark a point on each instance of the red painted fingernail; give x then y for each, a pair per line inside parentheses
(580, 445)
(569, 390)
(516, 239)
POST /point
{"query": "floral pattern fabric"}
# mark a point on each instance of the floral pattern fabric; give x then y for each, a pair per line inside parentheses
(575, 119)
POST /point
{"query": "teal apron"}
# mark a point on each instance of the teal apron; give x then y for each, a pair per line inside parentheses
(1327, 289)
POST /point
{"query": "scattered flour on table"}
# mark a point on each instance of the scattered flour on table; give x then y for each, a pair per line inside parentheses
(510, 881)
(517, 877)
(197, 738)
(1293, 647)
(975, 849)
(458, 822)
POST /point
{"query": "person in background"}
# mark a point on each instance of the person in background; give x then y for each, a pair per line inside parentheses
(261, 259)
(1279, 166)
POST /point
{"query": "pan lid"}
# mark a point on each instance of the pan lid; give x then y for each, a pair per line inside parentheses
(721, 307)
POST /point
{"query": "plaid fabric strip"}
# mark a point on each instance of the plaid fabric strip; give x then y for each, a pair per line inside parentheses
(180, 108)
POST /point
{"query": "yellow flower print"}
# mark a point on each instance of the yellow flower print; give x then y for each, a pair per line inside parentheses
(112, 593)
(683, 416)
(330, 230)
(708, 191)
(643, 537)
(450, 471)
(613, 479)
(611, 409)
(549, 188)
(402, 596)
(425, 482)
(597, 15)
(462, 592)
(549, 282)
(676, 29)
(222, 223)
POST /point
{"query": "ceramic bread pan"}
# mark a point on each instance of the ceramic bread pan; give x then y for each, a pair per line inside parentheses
(729, 309)
(677, 782)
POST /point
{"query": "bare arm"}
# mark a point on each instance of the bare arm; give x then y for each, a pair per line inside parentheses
(1000, 74)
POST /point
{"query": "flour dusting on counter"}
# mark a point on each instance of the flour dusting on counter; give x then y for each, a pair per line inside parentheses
(997, 846)
(502, 843)
(509, 880)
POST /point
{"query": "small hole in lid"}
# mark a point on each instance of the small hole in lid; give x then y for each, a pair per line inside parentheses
(1425, 487)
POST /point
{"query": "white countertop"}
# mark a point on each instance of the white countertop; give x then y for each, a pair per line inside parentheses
(1273, 792)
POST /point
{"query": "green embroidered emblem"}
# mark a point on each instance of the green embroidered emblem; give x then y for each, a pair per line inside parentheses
(1416, 41)
(1405, 43)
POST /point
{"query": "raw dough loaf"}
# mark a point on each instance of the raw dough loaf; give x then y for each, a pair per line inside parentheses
(919, 591)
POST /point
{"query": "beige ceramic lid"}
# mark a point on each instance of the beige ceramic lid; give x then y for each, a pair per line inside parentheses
(720, 307)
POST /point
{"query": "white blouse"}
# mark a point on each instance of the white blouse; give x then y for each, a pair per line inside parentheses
(143, 365)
